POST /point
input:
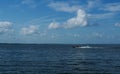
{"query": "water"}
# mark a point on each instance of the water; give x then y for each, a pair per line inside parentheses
(59, 59)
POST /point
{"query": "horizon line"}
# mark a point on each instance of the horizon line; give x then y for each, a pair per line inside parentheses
(58, 43)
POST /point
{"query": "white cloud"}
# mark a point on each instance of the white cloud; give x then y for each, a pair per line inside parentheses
(93, 4)
(117, 24)
(113, 7)
(70, 7)
(78, 21)
(29, 30)
(101, 15)
(97, 5)
(54, 25)
(30, 3)
(5, 26)
(62, 6)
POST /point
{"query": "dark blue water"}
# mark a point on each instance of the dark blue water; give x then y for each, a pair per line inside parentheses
(59, 59)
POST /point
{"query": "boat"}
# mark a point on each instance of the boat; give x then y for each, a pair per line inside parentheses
(78, 46)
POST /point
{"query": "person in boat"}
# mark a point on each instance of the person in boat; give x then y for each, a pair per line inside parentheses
(76, 46)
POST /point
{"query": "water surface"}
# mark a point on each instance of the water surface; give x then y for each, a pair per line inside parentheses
(59, 59)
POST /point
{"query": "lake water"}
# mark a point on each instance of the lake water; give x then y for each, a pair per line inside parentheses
(59, 59)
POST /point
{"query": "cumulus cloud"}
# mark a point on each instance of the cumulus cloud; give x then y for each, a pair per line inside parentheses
(29, 30)
(78, 21)
(5, 26)
(62, 6)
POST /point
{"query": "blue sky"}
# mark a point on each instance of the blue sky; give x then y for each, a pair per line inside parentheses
(60, 21)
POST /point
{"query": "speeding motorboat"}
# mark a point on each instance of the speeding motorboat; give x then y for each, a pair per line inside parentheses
(78, 46)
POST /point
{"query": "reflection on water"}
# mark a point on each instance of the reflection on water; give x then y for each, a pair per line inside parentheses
(58, 59)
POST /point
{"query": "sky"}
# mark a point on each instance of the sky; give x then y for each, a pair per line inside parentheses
(60, 21)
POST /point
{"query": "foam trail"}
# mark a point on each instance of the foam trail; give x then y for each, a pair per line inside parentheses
(84, 47)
